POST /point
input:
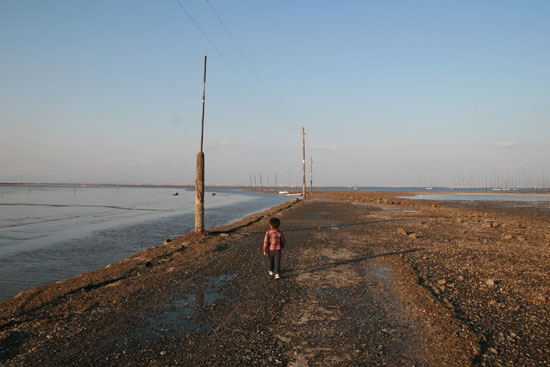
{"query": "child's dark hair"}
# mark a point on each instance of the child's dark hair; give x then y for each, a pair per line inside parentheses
(275, 222)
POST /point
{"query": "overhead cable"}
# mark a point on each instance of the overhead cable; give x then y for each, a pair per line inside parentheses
(230, 66)
(249, 63)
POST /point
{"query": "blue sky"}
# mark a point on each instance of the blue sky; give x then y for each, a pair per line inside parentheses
(391, 93)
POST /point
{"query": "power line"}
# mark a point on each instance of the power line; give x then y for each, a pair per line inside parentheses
(248, 62)
(230, 66)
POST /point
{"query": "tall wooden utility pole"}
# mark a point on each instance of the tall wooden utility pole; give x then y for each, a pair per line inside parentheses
(199, 181)
(311, 175)
(303, 163)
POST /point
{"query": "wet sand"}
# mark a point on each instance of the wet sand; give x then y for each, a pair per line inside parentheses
(367, 279)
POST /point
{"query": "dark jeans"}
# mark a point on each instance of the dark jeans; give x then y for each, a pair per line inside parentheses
(274, 261)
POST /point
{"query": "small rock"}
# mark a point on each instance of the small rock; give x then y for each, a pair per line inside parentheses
(413, 235)
(163, 353)
(507, 237)
(401, 231)
(493, 350)
(460, 278)
(167, 241)
(490, 282)
(441, 282)
(224, 234)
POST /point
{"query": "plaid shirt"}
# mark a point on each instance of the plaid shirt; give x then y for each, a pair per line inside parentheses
(274, 240)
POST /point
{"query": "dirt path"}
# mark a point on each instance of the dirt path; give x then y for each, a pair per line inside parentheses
(355, 291)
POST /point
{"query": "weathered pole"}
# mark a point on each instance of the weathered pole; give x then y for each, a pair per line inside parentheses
(303, 163)
(199, 181)
(311, 175)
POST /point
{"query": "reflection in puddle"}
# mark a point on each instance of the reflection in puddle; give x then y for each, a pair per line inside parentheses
(184, 315)
(328, 292)
(402, 210)
(322, 214)
(383, 272)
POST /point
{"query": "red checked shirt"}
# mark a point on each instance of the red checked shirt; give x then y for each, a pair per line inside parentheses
(274, 240)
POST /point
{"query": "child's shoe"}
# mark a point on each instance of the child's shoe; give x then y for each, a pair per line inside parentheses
(277, 276)
(270, 272)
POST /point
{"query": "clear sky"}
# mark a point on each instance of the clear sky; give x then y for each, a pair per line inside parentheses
(391, 93)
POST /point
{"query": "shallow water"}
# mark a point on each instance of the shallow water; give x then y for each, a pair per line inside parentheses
(53, 233)
(466, 197)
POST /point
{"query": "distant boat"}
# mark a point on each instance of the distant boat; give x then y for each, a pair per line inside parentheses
(429, 188)
(283, 192)
(293, 194)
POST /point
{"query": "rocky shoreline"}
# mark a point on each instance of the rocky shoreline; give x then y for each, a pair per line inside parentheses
(370, 279)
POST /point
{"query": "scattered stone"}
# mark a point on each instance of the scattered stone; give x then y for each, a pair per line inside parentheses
(493, 350)
(167, 241)
(490, 282)
(507, 236)
(401, 231)
(441, 282)
(413, 235)
(224, 234)
(163, 353)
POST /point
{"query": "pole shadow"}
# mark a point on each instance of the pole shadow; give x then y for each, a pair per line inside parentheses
(332, 226)
(293, 273)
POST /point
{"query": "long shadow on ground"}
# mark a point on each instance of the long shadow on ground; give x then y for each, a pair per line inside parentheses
(292, 273)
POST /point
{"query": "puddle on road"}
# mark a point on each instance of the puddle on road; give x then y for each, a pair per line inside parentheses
(383, 272)
(328, 293)
(322, 214)
(402, 210)
(182, 315)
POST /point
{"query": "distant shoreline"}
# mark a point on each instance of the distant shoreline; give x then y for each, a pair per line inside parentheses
(58, 184)
(543, 191)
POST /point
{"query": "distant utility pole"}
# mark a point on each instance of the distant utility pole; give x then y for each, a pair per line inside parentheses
(311, 175)
(303, 163)
(199, 181)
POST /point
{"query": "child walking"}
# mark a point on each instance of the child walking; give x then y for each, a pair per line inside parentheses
(274, 242)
